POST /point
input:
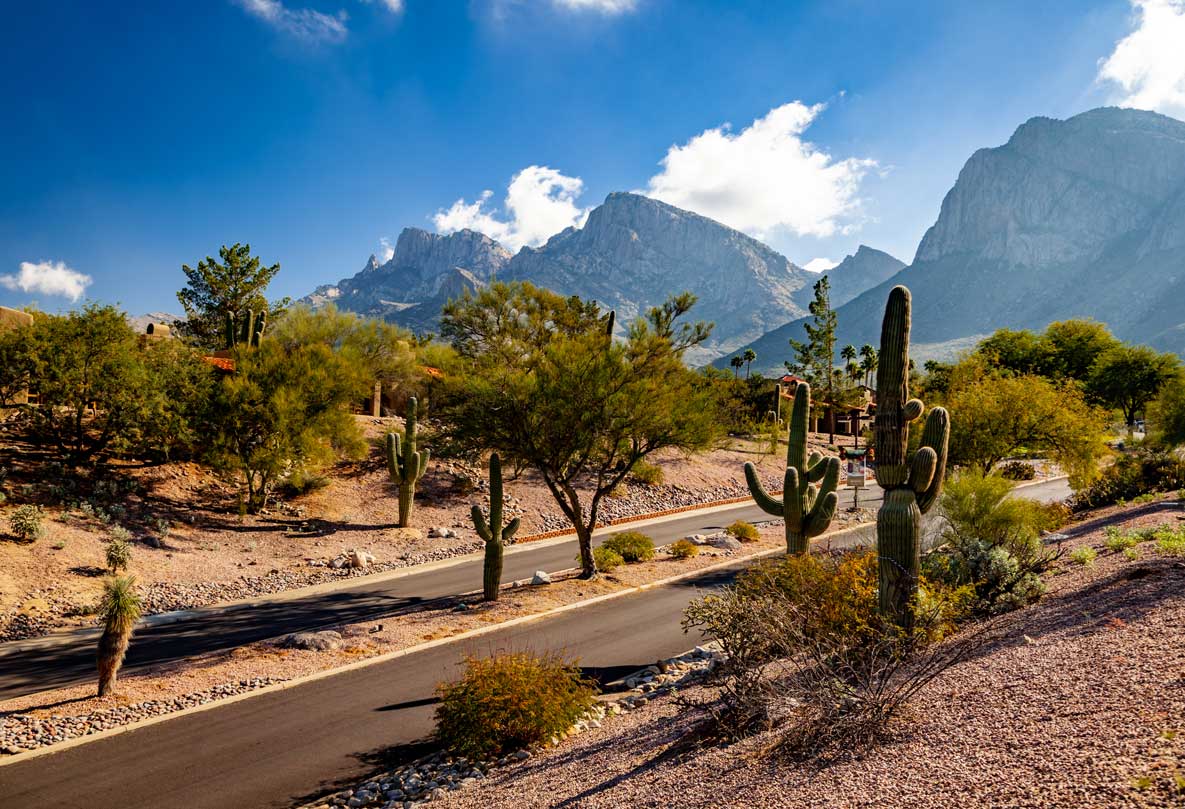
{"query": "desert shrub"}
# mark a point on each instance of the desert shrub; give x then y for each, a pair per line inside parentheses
(683, 549)
(992, 543)
(745, 532)
(647, 473)
(1116, 540)
(120, 533)
(1084, 556)
(26, 523)
(606, 559)
(807, 655)
(118, 554)
(1017, 470)
(1170, 541)
(509, 702)
(632, 546)
(1139, 473)
(302, 481)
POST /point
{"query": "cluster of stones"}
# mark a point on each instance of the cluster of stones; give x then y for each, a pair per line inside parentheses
(431, 778)
(21, 732)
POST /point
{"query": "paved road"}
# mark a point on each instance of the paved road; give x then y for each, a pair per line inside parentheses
(287, 746)
(69, 658)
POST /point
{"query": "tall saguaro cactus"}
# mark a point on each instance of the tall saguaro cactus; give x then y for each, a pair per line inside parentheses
(495, 534)
(247, 333)
(911, 484)
(405, 463)
(806, 507)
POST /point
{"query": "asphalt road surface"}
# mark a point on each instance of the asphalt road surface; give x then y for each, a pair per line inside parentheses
(291, 745)
(68, 658)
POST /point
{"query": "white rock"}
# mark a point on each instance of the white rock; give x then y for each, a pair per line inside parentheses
(541, 577)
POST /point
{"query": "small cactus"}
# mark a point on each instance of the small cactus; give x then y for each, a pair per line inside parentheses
(247, 333)
(495, 534)
(911, 484)
(405, 464)
(806, 507)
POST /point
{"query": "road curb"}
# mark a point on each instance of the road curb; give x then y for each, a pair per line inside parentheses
(393, 655)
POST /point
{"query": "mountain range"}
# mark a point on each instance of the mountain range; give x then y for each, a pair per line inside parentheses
(1081, 218)
(631, 253)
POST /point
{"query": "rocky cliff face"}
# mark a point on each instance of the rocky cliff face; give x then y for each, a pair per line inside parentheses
(424, 272)
(635, 251)
(862, 270)
(1076, 218)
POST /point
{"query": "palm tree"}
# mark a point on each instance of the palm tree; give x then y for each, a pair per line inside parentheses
(119, 611)
(736, 363)
(854, 371)
(748, 356)
(848, 353)
(868, 362)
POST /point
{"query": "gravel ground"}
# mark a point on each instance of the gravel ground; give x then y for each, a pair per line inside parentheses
(1082, 704)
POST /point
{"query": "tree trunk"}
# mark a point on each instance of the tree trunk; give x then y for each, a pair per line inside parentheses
(112, 647)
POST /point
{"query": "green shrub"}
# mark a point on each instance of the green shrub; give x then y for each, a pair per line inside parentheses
(1017, 470)
(744, 531)
(606, 559)
(683, 549)
(647, 473)
(632, 546)
(1117, 541)
(1084, 556)
(1140, 473)
(510, 702)
(992, 543)
(118, 554)
(26, 523)
(1171, 542)
(120, 533)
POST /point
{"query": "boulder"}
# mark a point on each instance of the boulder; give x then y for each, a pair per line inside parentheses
(724, 542)
(323, 641)
(540, 577)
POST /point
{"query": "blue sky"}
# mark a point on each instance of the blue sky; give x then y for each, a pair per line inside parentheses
(140, 136)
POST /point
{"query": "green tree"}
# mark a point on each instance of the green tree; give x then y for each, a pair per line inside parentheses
(736, 363)
(1073, 346)
(994, 417)
(16, 362)
(216, 289)
(748, 356)
(1128, 377)
(815, 358)
(547, 387)
(284, 411)
(1017, 351)
(1166, 414)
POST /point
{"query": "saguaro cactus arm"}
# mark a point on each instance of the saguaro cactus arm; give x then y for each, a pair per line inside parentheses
(935, 440)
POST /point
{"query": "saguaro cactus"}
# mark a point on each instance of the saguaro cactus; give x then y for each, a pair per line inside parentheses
(405, 463)
(248, 332)
(911, 484)
(495, 534)
(806, 507)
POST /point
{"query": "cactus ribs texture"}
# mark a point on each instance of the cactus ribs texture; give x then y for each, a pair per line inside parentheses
(911, 484)
(405, 464)
(495, 534)
(806, 507)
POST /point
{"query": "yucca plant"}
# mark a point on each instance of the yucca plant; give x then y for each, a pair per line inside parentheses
(119, 611)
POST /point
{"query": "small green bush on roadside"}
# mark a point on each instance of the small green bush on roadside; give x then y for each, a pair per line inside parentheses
(1084, 556)
(606, 559)
(118, 554)
(26, 523)
(743, 531)
(1017, 470)
(632, 546)
(683, 549)
(1143, 472)
(510, 702)
(1171, 542)
(1116, 541)
(647, 474)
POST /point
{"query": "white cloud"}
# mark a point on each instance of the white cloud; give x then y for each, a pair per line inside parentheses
(48, 278)
(386, 250)
(1148, 65)
(819, 264)
(303, 23)
(602, 6)
(394, 6)
(765, 178)
(540, 202)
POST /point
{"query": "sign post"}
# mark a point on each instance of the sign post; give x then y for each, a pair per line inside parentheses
(857, 472)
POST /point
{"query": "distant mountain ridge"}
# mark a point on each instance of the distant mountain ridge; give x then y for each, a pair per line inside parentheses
(631, 253)
(1077, 218)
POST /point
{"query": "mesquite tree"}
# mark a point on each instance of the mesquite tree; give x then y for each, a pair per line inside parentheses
(911, 483)
(547, 387)
(807, 508)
